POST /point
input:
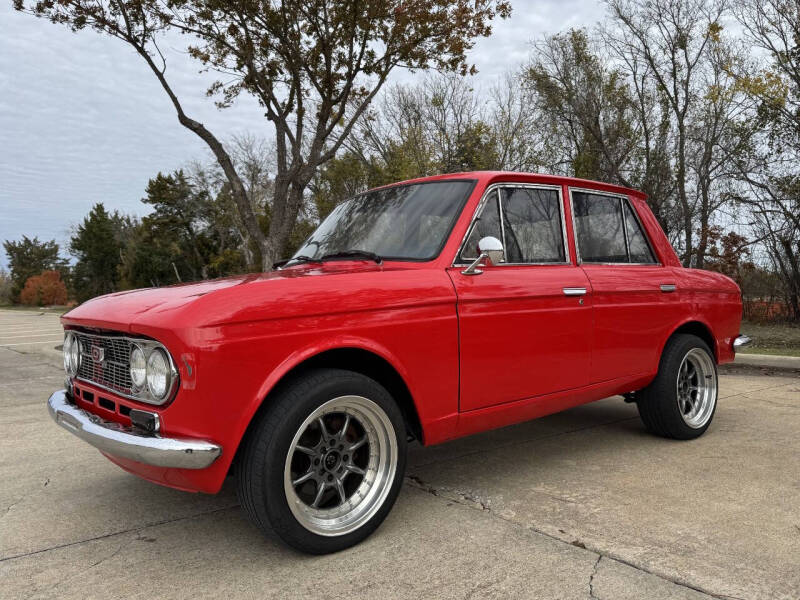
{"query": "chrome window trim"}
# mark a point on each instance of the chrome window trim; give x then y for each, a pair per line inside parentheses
(145, 397)
(621, 198)
(496, 187)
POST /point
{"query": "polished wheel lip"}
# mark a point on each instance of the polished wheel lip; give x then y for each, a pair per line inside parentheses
(379, 475)
(696, 387)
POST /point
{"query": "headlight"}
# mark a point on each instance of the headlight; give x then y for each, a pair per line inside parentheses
(159, 374)
(72, 354)
(138, 368)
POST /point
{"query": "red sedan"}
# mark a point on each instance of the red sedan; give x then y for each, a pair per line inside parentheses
(430, 309)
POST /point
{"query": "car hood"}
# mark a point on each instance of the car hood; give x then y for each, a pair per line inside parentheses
(297, 291)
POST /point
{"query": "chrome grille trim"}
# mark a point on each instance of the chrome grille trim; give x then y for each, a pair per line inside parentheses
(112, 372)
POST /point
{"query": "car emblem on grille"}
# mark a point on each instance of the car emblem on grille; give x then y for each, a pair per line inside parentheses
(98, 354)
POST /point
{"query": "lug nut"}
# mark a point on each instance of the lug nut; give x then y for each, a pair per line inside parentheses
(330, 477)
(346, 457)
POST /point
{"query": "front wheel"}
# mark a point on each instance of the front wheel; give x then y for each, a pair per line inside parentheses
(324, 463)
(681, 401)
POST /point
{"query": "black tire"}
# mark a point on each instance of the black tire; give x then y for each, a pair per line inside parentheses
(260, 472)
(659, 404)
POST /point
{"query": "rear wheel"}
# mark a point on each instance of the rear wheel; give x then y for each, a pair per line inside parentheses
(324, 464)
(681, 401)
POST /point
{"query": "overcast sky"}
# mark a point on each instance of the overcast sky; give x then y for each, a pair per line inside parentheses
(82, 119)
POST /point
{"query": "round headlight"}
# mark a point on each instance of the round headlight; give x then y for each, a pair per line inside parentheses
(159, 375)
(72, 354)
(65, 350)
(138, 368)
(75, 355)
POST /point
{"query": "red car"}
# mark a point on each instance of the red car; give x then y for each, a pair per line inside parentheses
(428, 310)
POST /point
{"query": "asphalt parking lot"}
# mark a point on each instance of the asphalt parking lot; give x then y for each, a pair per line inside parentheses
(583, 504)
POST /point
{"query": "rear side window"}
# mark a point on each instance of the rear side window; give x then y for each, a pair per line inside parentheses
(607, 231)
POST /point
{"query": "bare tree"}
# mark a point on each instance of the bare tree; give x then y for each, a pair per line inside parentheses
(673, 38)
(314, 65)
(770, 170)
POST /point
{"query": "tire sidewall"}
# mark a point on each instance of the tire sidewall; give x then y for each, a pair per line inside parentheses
(332, 384)
(664, 389)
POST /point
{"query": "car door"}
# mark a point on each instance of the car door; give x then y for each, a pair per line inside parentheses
(634, 296)
(524, 325)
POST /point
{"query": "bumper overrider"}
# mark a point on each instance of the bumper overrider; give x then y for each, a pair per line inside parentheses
(130, 442)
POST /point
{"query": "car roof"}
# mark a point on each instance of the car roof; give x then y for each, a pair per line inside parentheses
(488, 177)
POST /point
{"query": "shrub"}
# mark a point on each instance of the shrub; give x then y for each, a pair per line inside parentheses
(44, 290)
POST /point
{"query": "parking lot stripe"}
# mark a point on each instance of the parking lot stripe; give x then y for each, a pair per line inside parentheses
(58, 341)
(30, 335)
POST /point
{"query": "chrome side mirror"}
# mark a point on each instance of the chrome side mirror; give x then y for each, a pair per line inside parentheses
(491, 250)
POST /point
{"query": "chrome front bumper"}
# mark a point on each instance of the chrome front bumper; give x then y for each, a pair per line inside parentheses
(128, 442)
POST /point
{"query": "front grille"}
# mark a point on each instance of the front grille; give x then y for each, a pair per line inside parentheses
(111, 371)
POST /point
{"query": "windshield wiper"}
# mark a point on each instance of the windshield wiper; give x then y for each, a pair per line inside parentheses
(300, 259)
(353, 254)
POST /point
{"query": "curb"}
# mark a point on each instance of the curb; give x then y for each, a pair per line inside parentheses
(768, 361)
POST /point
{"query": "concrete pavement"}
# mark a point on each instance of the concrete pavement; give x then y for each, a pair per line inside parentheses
(577, 505)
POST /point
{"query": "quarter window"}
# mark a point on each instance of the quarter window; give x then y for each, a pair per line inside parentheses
(487, 223)
(607, 230)
(638, 248)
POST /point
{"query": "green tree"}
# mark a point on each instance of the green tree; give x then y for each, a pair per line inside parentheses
(97, 244)
(29, 257)
(189, 235)
(314, 67)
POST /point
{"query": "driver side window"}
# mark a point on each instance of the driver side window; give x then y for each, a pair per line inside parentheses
(528, 222)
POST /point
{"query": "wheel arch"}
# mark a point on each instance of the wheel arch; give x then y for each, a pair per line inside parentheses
(351, 357)
(699, 329)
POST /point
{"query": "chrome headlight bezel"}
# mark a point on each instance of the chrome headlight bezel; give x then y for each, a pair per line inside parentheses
(137, 384)
(144, 393)
(155, 371)
(71, 351)
(133, 391)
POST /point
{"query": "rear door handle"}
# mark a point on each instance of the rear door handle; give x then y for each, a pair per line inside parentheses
(574, 291)
(668, 287)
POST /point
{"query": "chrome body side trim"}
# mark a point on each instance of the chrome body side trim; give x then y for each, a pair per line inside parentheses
(741, 341)
(127, 442)
(668, 288)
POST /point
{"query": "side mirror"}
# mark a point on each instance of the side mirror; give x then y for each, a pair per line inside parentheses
(489, 249)
(493, 249)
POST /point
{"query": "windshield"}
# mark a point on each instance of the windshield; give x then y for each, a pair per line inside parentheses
(404, 222)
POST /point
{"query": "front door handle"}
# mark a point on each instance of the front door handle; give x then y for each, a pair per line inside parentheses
(574, 291)
(668, 287)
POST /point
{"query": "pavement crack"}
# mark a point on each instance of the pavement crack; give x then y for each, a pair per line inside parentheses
(591, 577)
(116, 533)
(416, 482)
